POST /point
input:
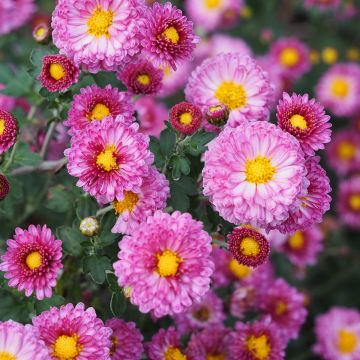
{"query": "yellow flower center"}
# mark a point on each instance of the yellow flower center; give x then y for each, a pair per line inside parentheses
(329, 55)
(40, 32)
(66, 347)
(203, 314)
(259, 170)
(298, 121)
(167, 263)
(314, 56)
(340, 87)
(239, 270)
(107, 160)
(353, 54)
(249, 247)
(259, 347)
(99, 112)
(143, 79)
(296, 241)
(280, 308)
(186, 118)
(231, 95)
(100, 22)
(289, 57)
(347, 341)
(215, 357)
(2, 126)
(171, 34)
(57, 71)
(346, 150)
(212, 4)
(33, 260)
(114, 344)
(127, 204)
(173, 353)
(354, 202)
(4, 355)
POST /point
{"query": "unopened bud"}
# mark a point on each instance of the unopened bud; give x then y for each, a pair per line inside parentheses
(217, 115)
(89, 226)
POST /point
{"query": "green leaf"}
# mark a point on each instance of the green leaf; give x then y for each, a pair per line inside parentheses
(5, 74)
(154, 147)
(184, 165)
(167, 142)
(59, 199)
(113, 284)
(24, 156)
(104, 78)
(197, 144)
(106, 237)
(118, 304)
(187, 185)
(47, 303)
(179, 201)
(96, 266)
(19, 85)
(86, 206)
(71, 239)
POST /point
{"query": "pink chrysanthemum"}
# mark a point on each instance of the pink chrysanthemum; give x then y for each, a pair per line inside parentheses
(285, 305)
(141, 77)
(338, 334)
(14, 13)
(235, 81)
(109, 158)
(203, 314)
(339, 89)
(253, 174)
(306, 120)
(343, 153)
(58, 73)
(168, 38)
(8, 130)
(166, 263)
(135, 208)
(222, 43)
(18, 342)
(259, 340)
(7, 103)
(151, 114)
(98, 35)
(292, 57)
(165, 345)
(126, 340)
(94, 103)
(185, 118)
(348, 203)
(323, 4)
(245, 298)
(4, 187)
(73, 333)
(32, 261)
(209, 344)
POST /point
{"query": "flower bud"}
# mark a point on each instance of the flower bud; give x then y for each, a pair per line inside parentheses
(4, 187)
(41, 33)
(217, 115)
(89, 226)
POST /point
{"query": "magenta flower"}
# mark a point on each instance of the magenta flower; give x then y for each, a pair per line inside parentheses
(8, 131)
(4, 187)
(222, 43)
(185, 118)
(323, 5)
(7, 103)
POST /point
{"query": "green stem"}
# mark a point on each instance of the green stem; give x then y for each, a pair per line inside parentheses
(31, 113)
(11, 158)
(48, 137)
(104, 210)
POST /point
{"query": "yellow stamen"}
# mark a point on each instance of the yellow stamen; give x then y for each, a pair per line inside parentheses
(168, 263)
(99, 112)
(314, 56)
(107, 159)
(143, 79)
(346, 150)
(127, 204)
(40, 32)
(215, 357)
(203, 314)
(339, 87)
(259, 170)
(4, 355)
(173, 353)
(171, 34)
(249, 247)
(347, 341)
(289, 57)
(239, 270)
(280, 308)
(66, 347)
(2, 126)
(353, 54)
(329, 55)
(212, 4)
(33, 260)
(231, 95)
(259, 347)
(100, 22)
(296, 241)
(354, 202)
(186, 118)
(298, 121)
(57, 71)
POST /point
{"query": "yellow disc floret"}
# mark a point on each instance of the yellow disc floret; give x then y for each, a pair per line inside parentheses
(66, 347)
(173, 353)
(354, 202)
(100, 22)
(186, 118)
(171, 34)
(107, 159)
(57, 71)
(339, 87)
(215, 357)
(296, 241)
(4, 355)
(127, 204)
(259, 170)
(231, 95)
(289, 57)
(346, 150)
(34, 260)
(298, 121)
(249, 247)
(168, 263)
(99, 112)
(2, 126)
(280, 308)
(259, 347)
(239, 270)
(347, 341)
(143, 79)
(212, 4)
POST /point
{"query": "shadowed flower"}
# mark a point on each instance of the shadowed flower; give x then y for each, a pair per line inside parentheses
(8, 130)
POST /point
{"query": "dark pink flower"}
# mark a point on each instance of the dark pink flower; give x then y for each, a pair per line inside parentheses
(185, 118)
(8, 130)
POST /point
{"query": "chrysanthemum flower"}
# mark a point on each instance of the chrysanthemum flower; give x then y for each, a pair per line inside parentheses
(126, 340)
(306, 120)
(203, 314)
(98, 35)
(253, 174)
(41, 32)
(185, 118)
(222, 43)
(71, 332)
(235, 81)
(32, 261)
(8, 130)
(217, 115)
(322, 4)
(292, 56)
(168, 38)
(17, 342)
(248, 246)
(58, 73)
(4, 187)
(135, 208)
(338, 334)
(141, 77)
(165, 345)
(343, 153)
(210, 344)
(285, 305)
(259, 340)
(109, 158)
(166, 262)
(94, 103)
(339, 89)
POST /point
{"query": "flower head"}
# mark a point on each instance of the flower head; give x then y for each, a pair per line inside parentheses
(185, 118)
(4, 187)
(221, 43)
(41, 32)
(8, 130)
(217, 115)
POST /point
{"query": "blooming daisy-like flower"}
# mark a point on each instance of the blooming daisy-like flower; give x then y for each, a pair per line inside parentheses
(135, 208)
(235, 81)
(185, 118)
(165, 345)
(322, 4)
(257, 341)
(71, 332)
(41, 32)
(18, 342)
(222, 43)
(168, 38)
(141, 77)
(338, 334)
(306, 120)
(32, 261)
(58, 73)
(339, 89)
(95, 103)
(8, 130)
(286, 307)
(126, 340)
(109, 158)
(98, 35)
(203, 314)
(253, 174)
(248, 246)
(166, 262)
(4, 187)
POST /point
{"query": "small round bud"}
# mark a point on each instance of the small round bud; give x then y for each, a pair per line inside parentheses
(127, 291)
(4, 187)
(89, 226)
(185, 118)
(41, 33)
(217, 115)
